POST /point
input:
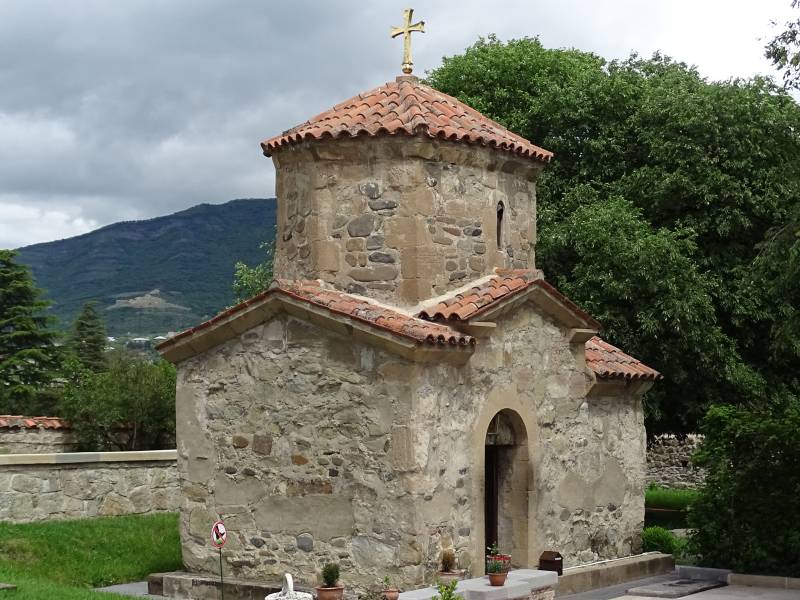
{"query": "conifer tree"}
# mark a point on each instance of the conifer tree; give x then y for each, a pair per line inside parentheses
(28, 355)
(89, 339)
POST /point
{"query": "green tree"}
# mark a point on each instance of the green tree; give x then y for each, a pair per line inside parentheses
(88, 340)
(747, 515)
(249, 281)
(129, 406)
(784, 51)
(706, 167)
(28, 355)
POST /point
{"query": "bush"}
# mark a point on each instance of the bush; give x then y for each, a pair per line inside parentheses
(658, 539)
(130, 406)
(330, 574)
(747, 516)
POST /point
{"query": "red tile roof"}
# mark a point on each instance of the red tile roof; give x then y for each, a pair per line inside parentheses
(406, 106)
(609, 362)
(344, 304)
(506, 284)
(21, 422)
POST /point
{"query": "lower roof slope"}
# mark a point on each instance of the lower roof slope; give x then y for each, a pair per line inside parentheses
(434, 327)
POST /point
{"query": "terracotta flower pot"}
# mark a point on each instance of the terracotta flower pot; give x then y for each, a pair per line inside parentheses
(330, 593)
(497, 579)
(448, 576)
(391, 594)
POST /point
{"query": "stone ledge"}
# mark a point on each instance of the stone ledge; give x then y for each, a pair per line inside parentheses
(520, 584)
(88, 457)
(767, 581)
(611, 572)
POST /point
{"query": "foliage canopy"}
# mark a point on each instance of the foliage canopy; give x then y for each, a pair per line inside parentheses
(747, 516)
(128, 406)
(663, 190)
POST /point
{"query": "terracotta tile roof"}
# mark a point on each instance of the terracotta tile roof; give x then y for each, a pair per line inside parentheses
(609, 362)
(344, 304)
(506, 284)
(406, 106)
(21, 422)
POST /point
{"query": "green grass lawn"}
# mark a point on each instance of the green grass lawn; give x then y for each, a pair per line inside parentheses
(667, 507)
(63, 559)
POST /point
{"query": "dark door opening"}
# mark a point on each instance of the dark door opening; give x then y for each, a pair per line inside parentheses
(492, 490)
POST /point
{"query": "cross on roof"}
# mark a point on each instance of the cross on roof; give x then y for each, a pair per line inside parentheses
(406, 31)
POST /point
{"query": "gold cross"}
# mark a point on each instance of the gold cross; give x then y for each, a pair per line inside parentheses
(405, 31)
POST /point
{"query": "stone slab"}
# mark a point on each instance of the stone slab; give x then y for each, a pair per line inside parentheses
(675, 589)
(707, 573)
(519, 584)
(7, 587)
(611, 572)
(767, 581)
(180, 584)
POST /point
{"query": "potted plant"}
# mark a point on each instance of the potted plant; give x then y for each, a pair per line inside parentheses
(497, 576)
(390, 592)
(493, 553)
(330, 588)
(447, 591)
(448, 570)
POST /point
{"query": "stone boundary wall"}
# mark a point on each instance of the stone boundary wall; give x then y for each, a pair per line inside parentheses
(40, 487)
(35, 435)
(36, 441)
(669, 462)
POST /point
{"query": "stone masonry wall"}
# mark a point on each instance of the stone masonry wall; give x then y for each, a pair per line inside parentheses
(669, 462)
(45, 491)
(586, 454)
(36, 440)
(401, 220)
(314, 447)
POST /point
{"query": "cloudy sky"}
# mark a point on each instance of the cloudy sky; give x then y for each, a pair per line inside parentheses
(127, 109)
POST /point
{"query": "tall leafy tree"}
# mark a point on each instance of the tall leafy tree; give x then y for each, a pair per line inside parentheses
(28, 355)
(89, 338)
(663, 188)
(784, 51)
(249, 281)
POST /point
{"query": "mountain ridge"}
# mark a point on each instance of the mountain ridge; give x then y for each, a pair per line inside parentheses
(186, 257)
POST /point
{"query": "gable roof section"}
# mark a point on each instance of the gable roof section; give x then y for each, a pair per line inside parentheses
(333, 303)
(505, 286)
(609, 362)
(408, 107)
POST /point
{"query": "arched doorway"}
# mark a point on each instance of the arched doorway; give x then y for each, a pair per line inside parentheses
(506, 482)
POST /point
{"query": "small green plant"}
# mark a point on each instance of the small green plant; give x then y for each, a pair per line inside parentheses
(658, 539)
(447, 591)
(493, 550)
(494, 566)
(388, 584)
(330, 575)
(448, 561)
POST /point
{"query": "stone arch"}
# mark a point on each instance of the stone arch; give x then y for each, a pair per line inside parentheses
(518, 427)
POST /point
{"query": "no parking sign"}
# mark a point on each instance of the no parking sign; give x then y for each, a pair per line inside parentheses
(219, 535)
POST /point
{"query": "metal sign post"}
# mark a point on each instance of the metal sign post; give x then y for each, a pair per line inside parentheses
(219, 535)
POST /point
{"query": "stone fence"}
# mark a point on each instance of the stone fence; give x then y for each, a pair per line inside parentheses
(35, 435)
(38, 487)
(669, 462)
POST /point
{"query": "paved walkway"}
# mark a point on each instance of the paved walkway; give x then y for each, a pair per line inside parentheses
(731, 592)
(137, 589)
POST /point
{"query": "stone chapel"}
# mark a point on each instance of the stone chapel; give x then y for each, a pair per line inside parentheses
(410, 382)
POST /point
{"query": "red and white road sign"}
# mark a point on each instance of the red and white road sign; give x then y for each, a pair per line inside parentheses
(219, 535)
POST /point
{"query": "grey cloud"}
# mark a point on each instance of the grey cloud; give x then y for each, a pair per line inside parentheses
(134, 108)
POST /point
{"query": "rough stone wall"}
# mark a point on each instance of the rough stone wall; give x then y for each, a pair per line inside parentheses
(401, 220)
(34, 440)
(586, 455)
(314, 447)
(669, 462)
(289, 434)
(40, 492)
